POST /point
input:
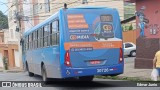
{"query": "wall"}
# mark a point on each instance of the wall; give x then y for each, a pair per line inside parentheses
(148, 44)
(130, 36)
(16, 56)
(152, 13)
(1, 62)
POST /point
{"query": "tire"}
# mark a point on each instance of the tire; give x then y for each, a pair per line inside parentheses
(105, 38)
(113, 75)
(86, 78)
(44, 74)
(29, 73)
(133, 53)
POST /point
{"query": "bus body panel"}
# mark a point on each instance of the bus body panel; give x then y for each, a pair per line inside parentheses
(80, 60)
(50, 56)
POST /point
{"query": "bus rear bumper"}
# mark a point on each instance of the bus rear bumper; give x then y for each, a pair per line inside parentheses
(101, 70)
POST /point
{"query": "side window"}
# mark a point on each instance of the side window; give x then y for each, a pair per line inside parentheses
(42, 37)
(34, 39)
(127, 45)
(39, 37)
(30, 41)
(55, 33)
(53, 42)
(26, 43)
(46, 35)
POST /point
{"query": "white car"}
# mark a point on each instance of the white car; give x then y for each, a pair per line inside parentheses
(129, 49)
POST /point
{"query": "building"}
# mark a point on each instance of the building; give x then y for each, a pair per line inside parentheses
(147, 44)
(7, 49)
(28, 13)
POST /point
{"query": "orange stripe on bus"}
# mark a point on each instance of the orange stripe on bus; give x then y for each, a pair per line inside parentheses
(95, 45)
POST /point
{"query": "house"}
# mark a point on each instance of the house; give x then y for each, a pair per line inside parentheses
(148, 43)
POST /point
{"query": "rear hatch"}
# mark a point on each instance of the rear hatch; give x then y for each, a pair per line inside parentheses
(90, 39)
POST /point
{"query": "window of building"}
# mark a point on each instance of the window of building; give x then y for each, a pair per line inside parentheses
(35, 9)
(47, 6)
(10, 15)
(11, 32)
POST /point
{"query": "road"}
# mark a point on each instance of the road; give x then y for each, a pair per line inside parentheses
(103, 85)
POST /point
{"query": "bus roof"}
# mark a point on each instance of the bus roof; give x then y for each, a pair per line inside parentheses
(56, 14)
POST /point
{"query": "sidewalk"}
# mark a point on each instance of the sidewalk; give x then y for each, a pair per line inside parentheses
(13, 70)
(131, 72)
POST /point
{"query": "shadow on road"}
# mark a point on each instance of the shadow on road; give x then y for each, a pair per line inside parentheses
(74, 83)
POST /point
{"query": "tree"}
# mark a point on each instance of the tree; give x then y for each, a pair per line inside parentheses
(3, 21)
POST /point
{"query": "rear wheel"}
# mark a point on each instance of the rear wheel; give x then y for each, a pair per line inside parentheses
(105, 38)
(86, 78)
(44, 74)
(29, 73)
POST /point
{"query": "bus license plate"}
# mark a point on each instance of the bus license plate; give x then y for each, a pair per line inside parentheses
(102, 70)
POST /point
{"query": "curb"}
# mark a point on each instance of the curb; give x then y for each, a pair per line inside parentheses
(11, 71)
(124, 78)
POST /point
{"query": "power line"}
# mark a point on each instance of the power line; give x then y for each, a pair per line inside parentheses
(54, 8)
(8, 8)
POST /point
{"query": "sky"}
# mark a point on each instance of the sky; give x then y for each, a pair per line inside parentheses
(3, 6)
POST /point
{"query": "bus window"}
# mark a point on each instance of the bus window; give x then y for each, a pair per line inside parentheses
(57, 34)
(46, 35)
(54, 30)
(42, 37)
(33, 42)
(50, 33)
(30, 41)
(27, 42)
(39, 38)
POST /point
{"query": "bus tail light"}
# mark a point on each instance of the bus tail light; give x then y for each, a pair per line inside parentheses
(120, 55)
(67, 59)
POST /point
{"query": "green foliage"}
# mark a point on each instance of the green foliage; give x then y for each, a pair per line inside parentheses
(130, 27)
(3, 21)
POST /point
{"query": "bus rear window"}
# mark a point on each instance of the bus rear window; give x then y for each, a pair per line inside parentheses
(106, 18)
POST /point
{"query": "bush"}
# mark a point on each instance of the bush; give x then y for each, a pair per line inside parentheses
(131, 27)
(5, 63)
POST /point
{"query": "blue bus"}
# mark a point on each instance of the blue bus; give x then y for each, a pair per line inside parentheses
(75, 42)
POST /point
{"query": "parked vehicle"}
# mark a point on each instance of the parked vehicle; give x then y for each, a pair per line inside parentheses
(129, 49)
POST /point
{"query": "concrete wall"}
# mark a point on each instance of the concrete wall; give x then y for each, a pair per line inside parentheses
(1, 62)
(16, 56)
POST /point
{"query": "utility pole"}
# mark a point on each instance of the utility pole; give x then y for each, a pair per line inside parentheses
(18, 29)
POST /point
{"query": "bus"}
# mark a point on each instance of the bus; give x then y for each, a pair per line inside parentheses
(75, 42)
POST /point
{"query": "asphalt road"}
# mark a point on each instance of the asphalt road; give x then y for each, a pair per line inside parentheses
(105, 84)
